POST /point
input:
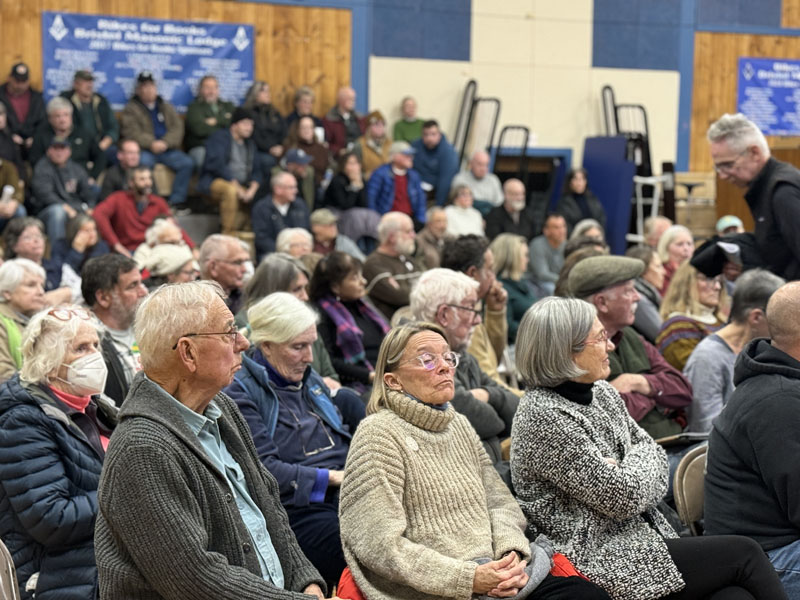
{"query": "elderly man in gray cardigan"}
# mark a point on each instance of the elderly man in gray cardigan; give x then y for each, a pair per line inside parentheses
(186, 510)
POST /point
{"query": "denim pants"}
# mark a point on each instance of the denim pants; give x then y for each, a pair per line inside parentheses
(786, 561)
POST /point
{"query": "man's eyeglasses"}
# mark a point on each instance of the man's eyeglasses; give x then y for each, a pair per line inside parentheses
(475, 313)
(232, 333)
(727, 166)
(428, 360)
(236, 263)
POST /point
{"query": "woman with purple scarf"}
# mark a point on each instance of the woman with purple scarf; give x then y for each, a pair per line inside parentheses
(350, 326)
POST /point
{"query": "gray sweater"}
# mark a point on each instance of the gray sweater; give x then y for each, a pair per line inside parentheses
(710, 371)
(168, 526)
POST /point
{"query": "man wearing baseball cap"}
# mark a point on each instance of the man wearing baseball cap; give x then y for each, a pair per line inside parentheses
(232, 172)
(24, 106)
(654, 392)
(93, 113)
(298, 163)
(397, 187)
(327, 238)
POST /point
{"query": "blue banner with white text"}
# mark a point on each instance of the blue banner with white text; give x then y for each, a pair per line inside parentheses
(769, 94)
(117, 49)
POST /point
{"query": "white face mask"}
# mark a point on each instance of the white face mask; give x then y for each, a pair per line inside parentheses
(87, 375)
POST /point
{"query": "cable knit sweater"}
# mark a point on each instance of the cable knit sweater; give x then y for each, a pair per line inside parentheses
(603, 517)
(420, 499)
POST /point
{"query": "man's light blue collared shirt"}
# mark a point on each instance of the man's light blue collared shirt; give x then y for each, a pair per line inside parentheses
(206, 428)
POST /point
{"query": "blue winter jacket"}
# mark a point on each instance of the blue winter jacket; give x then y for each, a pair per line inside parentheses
(436, 166)
(380, 192)
(258, 403)
(48, 492)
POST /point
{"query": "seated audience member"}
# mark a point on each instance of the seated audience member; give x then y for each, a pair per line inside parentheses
(578, 202)
(123, 217)
(298, 432)
(654, 228)
(350, 327)
(675, 247)
(301, 137)
(9, 150)
(224, 259)
(164, 230)
(93, 113)
(231, 173)
(294, 241)
(729, 224)
(409, 127)
(510, 264)
(485, 186)
(346, 196)
(462, 218)
(55, 426)
(390, 271)
(654, 392)
(21, 296)
(115, 177)
(168, 263)
(588, 228)
(695, 305)
(269, 126)
(573, 257)
(303, 106)
(343, 125)
(590, 479)
(155, 125)
(81, 243)
(431, 238)
(471, 255)
(648, 319)
(402, 517)
(182, 460)
(711, 365)
(277, 211)
(512, 216)
(546, 253)
(373, 147)
(24, 237)
(396, 186)
(298, 163)
(61, 188)
(12, 192)
(751, 481)
(448, 299)
(327, 237)
(112, 287)
(24, 106)
(60, 124)
(206, 114)
(436, 161)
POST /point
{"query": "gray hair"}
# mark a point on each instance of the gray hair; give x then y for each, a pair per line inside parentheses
(551, 332)
(59, 103)
(432, 211)
(47, 339)
(437, 287)
(277, 178)
(283, 243)
(171, 311)
(13, 271)
(668, 237)
(215, 247)
(390, 223)
(276, 273)
(153, 233)
(753, 290)
(279, 318)
(507, 260)
(584, 225)
(738, 132)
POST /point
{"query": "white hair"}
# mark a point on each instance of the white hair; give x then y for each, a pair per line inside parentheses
(58, 103)
(13, 271)
(283, 243)
(215, 247)
(279, 318)
(584, 225)
(168, 313)
(47, 339)
(668, 237)
(437, 287)
(391, 223)
(153, 233)
(739, 132)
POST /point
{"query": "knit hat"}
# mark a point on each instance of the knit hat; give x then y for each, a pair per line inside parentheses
(241, 113)
(597, 273)
(168, 258)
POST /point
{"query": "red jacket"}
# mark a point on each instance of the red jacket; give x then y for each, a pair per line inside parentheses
(120, 223)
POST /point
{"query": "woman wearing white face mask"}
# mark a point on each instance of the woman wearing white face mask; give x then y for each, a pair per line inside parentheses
(54, 429)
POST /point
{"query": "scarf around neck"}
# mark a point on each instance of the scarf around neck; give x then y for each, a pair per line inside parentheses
(348, 335)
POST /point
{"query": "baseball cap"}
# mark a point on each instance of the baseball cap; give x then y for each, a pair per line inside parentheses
(20, 71)
(323, 216)
(84, 74)
(145, 77)
(59, 141)
(297, 155)
(401, 147)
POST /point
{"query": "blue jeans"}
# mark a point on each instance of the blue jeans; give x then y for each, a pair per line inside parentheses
(180, 163)
(786, 561)
(54, 218)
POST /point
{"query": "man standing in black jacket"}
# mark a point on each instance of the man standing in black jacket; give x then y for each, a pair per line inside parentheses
(25, 106)
(741, 156)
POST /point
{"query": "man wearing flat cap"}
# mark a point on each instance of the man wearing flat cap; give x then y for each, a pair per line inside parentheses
(93, 113)
(324, 228)
(654, 392)
(24, 106)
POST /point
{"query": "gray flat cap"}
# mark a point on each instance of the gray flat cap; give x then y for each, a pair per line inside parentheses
(597, 273)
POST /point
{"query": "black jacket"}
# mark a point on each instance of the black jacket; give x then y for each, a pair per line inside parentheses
(116, 383)
(569, 207)
(269, 127)
(268, 222)
(499, 221)
(753, 484)
(36, 114)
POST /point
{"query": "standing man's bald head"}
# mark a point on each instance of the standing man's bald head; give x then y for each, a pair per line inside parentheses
(783, 311)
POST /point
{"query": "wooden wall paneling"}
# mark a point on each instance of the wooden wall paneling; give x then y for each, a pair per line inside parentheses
(790, 14)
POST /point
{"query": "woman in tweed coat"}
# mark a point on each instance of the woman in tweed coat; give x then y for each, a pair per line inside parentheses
(589, 478)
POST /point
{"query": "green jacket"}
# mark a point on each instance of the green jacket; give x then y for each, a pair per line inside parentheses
(197, 130)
